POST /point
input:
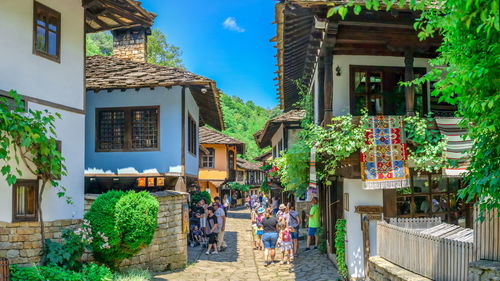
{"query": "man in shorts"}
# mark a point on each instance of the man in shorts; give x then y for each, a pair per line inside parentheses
(314, 224)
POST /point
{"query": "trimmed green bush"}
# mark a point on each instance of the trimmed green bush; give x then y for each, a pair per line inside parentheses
(137, 219)
(122, 224)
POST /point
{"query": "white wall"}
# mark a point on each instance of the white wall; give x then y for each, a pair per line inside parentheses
(36, 76)
(354, 248)
(61, 83)
(277, 137)
(341, 83)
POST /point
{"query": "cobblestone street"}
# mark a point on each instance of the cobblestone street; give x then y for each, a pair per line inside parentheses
(241, 262)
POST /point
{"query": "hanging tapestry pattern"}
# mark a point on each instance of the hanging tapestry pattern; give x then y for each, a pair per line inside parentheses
(457, 145)
(385, 164)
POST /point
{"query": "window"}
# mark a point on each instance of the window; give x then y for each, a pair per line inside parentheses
(230, 159)
(431, 196)
(208, 160)
(377, 89)
(280, 147)
(128, 129)
(46, 32)
(192, 135)
(25, 200)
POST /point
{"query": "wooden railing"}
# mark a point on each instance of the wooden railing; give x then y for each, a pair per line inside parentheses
(487, 236)
(440, 253)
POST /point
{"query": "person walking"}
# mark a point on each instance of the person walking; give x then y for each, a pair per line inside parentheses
(286, 244)
(314, 224)
(202, 206)
(294, 223)
(275, 204)
(259, 230)
(270, 236)
(282, 215)
(221, 220)
(212, 231)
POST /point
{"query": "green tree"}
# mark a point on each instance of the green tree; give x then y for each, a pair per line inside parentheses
(161, 52)
(243, 119)
(29, 137)
(100, 43)
(468, 75)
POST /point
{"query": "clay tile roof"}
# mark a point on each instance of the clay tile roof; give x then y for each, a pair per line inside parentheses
(263, 137)
(247, 165)
(211, 136)
(109, 73)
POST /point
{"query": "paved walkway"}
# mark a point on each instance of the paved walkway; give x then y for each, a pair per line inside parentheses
(240, 262)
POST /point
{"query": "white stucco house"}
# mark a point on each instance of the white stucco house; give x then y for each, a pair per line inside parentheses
(142, 119)
(43, 57)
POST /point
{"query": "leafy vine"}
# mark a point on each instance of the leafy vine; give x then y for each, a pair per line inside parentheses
(426, 145)
(340, 234)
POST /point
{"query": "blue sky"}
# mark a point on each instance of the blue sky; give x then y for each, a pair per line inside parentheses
(224, 40)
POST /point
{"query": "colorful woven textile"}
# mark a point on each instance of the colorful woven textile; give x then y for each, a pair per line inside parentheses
(456, 147)
(385, 164)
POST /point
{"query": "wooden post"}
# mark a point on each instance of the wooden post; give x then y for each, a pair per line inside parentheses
(409, 76)
(328, 85)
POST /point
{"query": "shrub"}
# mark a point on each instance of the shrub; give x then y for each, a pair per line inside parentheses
(90, 272)
(137, 219)
(123, 222)
(94, 272)
(42, 273)
(198, 195)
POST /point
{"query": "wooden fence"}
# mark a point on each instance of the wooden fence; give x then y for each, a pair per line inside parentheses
(441, 253)
(415, 223)
(487, 236)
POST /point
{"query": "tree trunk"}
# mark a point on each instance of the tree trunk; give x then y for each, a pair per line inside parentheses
(42, 224)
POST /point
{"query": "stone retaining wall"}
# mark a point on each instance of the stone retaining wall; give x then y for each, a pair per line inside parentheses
(168, 250)
(484, 270)
(21, 242)
(380, 269)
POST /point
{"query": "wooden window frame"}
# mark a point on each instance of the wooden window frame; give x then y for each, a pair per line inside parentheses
(210, 150)
(20, 182)
(128, 128)
(51, 12)
(192, 136)
(382, 70)
(430, 194)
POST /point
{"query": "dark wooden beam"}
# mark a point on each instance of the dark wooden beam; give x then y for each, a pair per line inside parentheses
(328, 85)
(409, 76)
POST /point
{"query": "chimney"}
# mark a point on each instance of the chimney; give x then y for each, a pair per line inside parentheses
(131, 43)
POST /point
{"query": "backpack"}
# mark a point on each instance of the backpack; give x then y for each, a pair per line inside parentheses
(286, 237)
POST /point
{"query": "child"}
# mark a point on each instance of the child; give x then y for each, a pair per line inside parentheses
(197, 235)
(286, 244)
(212, 231)
(259, 228)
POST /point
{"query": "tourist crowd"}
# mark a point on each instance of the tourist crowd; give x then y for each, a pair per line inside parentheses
(208, 224)
(277, 226)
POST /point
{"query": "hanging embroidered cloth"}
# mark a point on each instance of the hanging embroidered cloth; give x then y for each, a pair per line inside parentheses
(456, 146)
(385, 164)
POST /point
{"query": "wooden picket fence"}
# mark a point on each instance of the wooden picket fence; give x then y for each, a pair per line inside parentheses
(442, 252)
(487, 236)
(415, 223)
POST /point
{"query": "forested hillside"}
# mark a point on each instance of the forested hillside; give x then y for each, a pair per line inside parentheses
(243, 119)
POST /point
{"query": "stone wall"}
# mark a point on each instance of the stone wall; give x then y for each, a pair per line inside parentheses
(21, 242)
(168, 250)
(380, 269)
(484, 270)
(131, 43)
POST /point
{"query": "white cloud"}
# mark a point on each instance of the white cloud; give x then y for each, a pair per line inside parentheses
(230, 24)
